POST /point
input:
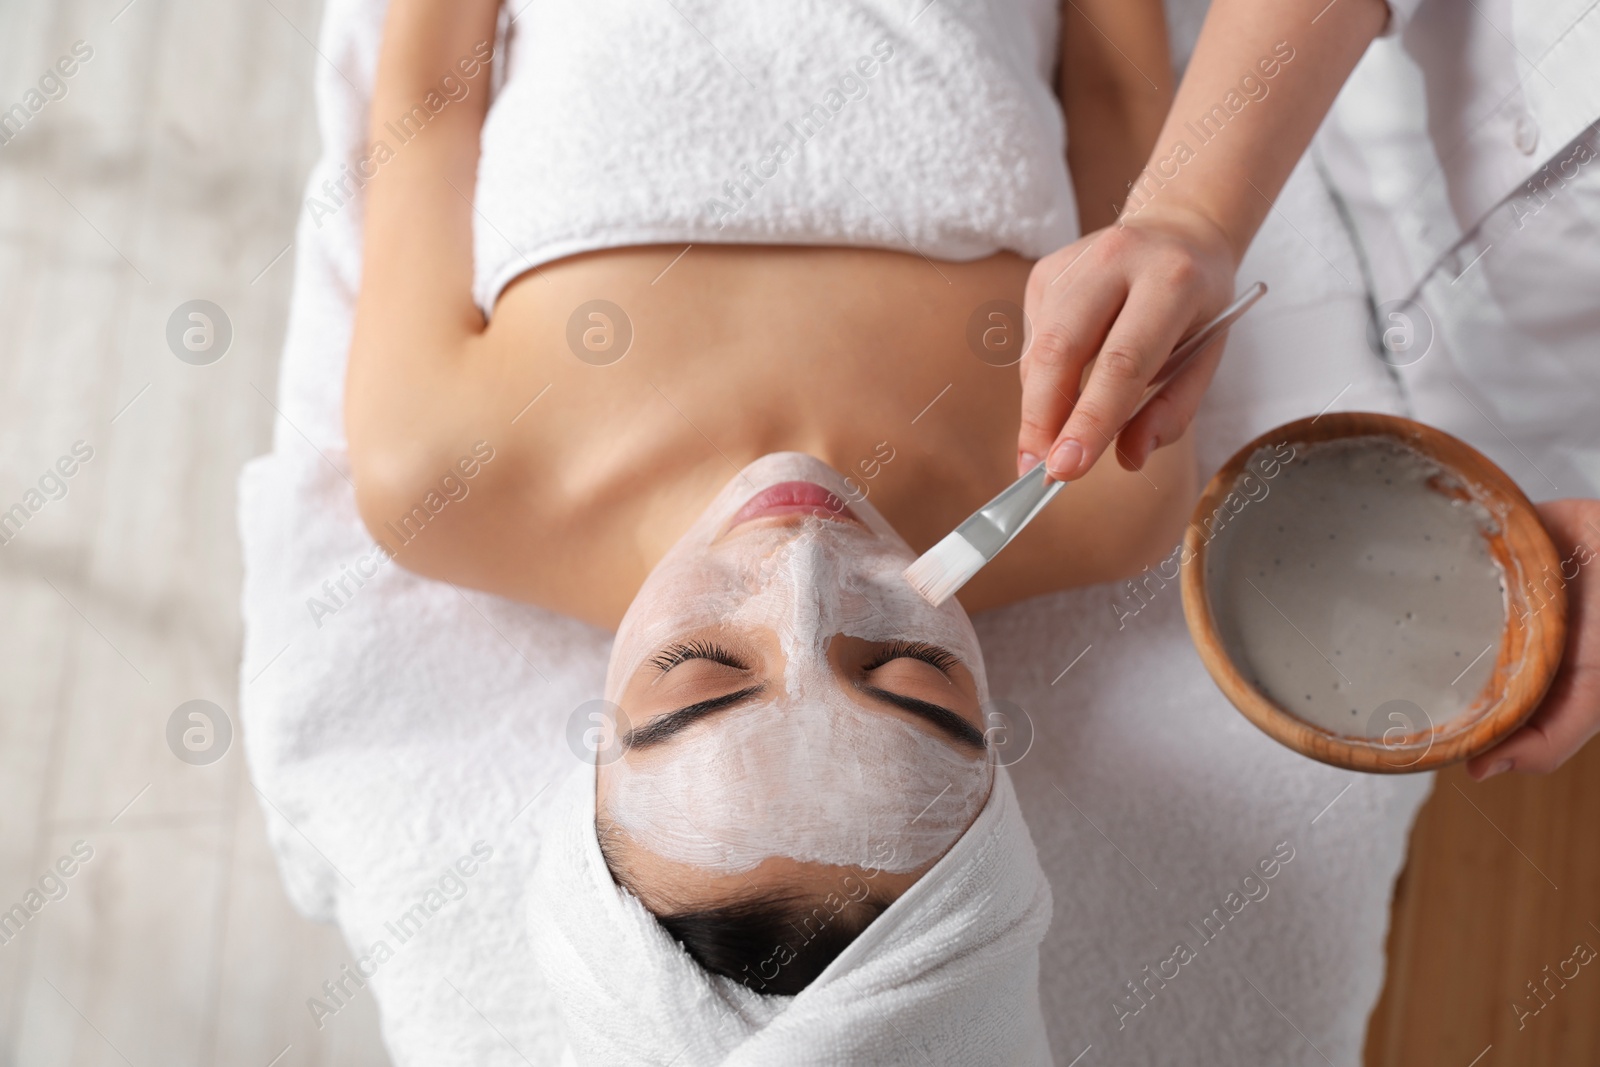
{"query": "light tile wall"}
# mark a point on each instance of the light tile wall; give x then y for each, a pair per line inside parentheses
(171, 170)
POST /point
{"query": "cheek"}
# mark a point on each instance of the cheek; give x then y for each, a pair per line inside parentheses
(678, 598)
(899, 613)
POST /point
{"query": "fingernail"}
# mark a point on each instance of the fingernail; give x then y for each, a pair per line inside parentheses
(1065, 459)
(1026, 461)
(1499, 767)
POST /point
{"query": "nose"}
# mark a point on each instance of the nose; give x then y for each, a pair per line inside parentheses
(810, 576)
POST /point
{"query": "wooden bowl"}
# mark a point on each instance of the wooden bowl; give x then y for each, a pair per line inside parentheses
(1536, 608)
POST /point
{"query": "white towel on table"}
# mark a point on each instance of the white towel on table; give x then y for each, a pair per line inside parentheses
(418, 721)
(949, 974)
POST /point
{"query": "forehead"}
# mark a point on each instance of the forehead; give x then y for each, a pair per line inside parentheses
(826, 781)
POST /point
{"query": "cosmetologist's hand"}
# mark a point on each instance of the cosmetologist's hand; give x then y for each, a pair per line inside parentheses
(1122, 297)
(1570, 713)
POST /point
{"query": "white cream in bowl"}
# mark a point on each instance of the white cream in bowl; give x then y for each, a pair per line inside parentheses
(1362, 579)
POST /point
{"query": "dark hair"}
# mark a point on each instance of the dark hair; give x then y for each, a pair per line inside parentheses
(776, 944)
(773, 944)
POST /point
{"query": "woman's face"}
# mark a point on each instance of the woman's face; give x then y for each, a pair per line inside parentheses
(792, 706)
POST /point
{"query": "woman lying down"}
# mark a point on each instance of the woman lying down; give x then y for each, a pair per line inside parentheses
(798, 848)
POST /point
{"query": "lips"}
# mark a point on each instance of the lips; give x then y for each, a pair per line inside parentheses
(794, 498)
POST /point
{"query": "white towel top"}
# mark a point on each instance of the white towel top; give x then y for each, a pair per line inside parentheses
(948, 975)
(927, 128)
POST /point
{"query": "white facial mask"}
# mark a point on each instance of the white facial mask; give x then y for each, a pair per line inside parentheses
(809, 773)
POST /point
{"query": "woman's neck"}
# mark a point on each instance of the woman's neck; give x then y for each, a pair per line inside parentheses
(864, 359)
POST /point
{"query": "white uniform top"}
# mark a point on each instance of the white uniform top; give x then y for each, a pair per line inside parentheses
(1464, 148)
(1449, 113)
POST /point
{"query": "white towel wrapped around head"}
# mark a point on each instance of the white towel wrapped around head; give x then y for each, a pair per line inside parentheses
(948, 974)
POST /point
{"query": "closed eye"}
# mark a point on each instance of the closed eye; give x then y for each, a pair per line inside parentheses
(683, 652)
(933, 655)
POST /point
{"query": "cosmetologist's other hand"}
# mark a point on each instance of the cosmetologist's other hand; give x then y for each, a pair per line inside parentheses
(1570, 713)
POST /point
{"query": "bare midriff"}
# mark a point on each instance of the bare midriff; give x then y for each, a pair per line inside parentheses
(859, 357)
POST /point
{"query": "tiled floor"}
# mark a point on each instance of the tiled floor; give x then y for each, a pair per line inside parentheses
(169, 171)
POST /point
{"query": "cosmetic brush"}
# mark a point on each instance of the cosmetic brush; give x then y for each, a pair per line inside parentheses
(951, 563)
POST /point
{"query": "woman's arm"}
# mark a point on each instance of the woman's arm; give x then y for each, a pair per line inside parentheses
(1115, 85)
(430, 393)
(1262, 77)
(416, 327)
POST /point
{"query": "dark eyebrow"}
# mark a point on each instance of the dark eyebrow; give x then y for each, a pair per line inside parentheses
(948, 722)
(665, 726)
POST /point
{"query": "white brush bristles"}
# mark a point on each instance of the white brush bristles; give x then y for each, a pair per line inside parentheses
(944, 568)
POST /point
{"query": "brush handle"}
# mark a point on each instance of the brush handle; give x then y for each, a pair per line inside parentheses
(1196, 343)
(1009, 512)
(992, 526)
(997, 522)
(1037, 485)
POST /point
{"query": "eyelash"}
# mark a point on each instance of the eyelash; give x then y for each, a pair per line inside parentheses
(935, 657)
(673, 655)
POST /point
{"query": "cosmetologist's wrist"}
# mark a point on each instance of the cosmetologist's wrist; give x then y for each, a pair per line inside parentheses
(1196, 226)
